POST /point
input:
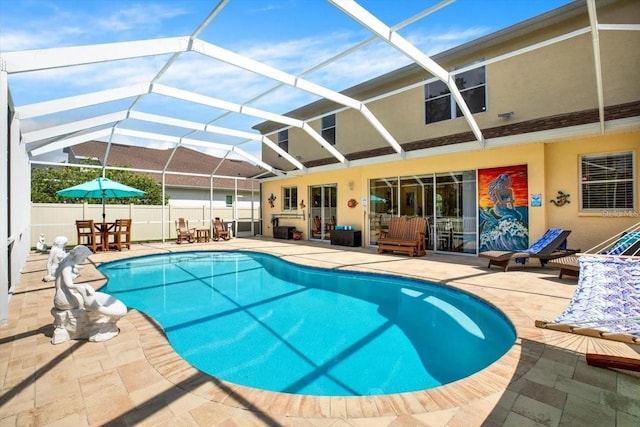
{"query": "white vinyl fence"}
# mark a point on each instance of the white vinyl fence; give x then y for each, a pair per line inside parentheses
(58, 219)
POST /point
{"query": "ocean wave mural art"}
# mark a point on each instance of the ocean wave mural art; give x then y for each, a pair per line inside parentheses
(503, 208)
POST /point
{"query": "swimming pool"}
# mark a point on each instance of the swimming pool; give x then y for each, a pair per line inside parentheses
(253, 319)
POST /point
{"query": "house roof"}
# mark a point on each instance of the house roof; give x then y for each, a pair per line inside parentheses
(194, 167)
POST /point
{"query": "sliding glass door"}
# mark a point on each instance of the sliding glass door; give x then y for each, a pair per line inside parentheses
(383, 204)
(323, 211)
(456, 212)
(447, 200)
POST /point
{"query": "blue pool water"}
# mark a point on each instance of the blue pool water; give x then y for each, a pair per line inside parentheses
(255, 320)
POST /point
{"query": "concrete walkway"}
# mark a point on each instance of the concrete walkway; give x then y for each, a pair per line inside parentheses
(137, 379)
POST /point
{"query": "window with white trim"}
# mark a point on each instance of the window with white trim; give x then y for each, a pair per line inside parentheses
(283, 140)
(607, 182)
(289, 198)
(440, 105)
(228, 200)
(329, 129)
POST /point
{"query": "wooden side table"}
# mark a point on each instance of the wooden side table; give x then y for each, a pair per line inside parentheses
(202, 235)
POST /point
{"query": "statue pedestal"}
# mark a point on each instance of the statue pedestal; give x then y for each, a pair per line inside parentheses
(79, 323)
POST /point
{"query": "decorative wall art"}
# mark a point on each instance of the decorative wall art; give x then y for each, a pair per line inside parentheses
(503, 208)
(561, 199)
(536, 200)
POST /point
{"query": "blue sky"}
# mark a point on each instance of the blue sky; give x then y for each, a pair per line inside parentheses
(292, 35)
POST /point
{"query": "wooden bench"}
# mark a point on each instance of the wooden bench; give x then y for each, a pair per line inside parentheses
(404, 235)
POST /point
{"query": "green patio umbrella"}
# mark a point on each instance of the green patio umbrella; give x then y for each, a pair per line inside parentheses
(100, 188)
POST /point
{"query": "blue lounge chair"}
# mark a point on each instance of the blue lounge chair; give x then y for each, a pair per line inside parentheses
(553, 244)
(626, 243)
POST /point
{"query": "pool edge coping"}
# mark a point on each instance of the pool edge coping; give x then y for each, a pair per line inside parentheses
(483, 384)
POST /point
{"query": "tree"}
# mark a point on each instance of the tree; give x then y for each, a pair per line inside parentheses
(45, 182)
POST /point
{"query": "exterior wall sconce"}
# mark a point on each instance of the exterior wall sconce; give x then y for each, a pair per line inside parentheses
(507, 115)
(302, 206)
(271, 199)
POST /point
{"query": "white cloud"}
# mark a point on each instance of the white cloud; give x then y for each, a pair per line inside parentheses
(66, 27)
(45, 85)
(434, 42)
(23, 40)
(138, 17)
(296, 55)
(266, 8)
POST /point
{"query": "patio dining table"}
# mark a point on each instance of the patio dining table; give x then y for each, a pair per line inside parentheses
(104, 228)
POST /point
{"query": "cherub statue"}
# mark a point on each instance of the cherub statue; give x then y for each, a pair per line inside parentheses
(41, 246)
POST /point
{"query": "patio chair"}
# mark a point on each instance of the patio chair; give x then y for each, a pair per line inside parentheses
(627, 243)
(121, 234)
(316, 233)
(183, 232)
(332, 225)
(606, 303)
(219, 231)
(88, 234)
(550, 246)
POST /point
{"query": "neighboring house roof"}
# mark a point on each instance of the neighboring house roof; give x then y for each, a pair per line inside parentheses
(184, 160)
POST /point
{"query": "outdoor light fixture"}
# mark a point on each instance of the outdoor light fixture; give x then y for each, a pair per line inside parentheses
(506, 115)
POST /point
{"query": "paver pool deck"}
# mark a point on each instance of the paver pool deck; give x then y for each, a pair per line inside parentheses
(136, 379)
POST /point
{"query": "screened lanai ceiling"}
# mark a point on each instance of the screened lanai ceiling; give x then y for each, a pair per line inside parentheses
(168, 74)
